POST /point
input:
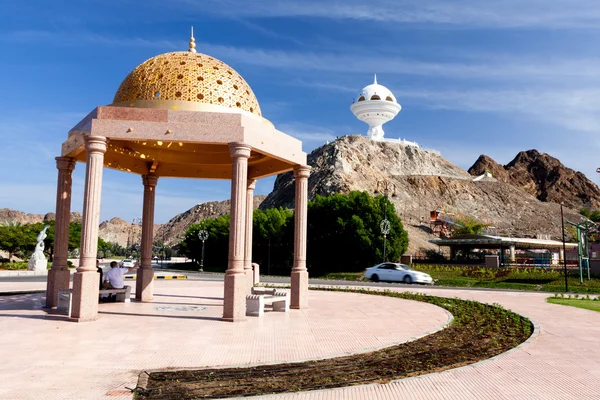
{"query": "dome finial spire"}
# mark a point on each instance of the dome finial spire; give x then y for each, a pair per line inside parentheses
(192, 42)
(375, 79)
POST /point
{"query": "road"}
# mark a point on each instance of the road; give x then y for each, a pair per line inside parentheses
(208, 276)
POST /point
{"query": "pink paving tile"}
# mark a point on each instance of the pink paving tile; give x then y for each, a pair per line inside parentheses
(554, 365)
(102, 357)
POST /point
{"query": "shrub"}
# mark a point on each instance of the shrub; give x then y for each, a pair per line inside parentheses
(15, 265)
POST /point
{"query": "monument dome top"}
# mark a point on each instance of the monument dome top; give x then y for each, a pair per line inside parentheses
(186, 80)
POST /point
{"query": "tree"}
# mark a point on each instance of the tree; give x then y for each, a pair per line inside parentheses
(585, 212)
(595, 216)
(74, 235)
(469, 226)
(13, 239)
(344, 233)
(272, 239)
(103, 248)
(217, 244)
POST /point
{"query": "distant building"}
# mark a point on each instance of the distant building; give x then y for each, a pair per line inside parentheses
(375, 106)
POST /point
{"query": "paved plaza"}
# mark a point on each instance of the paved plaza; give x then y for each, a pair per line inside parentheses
(45, 357)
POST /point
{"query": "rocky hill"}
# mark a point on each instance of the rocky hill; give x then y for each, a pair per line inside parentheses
(8, 215)
(544, 177)
(423, 180)
(117, 230)
(173, 231)
(122, 232)
(520, 201)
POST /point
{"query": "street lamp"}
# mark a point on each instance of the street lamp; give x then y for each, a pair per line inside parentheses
(386, 188)
(562, 220)
(132, 240)
(202, 235)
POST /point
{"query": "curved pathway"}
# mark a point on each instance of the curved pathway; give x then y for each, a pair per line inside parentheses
(562, 361)
(45, 357)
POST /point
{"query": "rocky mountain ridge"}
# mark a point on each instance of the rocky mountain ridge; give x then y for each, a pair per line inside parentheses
(520, 201)
(424, 181)
(8, 215)
(173, 231)
(117, 230)
(544, 177)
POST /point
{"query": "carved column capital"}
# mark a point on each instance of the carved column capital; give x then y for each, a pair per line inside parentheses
(150, 180)
(95, 144)
(65, 163)
(302, 171)
(251, 184)
(239, 149)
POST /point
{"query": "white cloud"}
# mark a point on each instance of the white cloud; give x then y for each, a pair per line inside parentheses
(67, 38)
(574, 109)
(307, 132)
(549, 69)
(460, 13)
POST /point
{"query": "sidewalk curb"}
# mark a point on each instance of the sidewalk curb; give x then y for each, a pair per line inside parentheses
(21, 272)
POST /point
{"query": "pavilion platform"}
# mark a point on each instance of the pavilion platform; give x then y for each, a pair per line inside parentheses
(45, 357)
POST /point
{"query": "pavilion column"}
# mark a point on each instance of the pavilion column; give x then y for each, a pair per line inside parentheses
(234, 299)
(248, 242)
(299, 276)
(512, 257)
(58, 276)
(86, 279)
(145, 274)
(561, 255)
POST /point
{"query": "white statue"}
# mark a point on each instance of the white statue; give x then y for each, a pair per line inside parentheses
(38, 261)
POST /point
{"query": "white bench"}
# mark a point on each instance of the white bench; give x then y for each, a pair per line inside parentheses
(123, 295)
(264, 290)
(65, 297)
(255, 303)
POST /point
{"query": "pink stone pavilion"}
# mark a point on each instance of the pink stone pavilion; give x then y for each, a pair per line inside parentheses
(186, 115)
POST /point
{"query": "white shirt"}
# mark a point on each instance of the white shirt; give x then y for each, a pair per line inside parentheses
(115, 277)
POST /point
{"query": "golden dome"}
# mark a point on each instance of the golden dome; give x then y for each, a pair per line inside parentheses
(186, 80)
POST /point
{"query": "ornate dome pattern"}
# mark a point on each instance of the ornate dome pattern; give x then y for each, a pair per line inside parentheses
(187, 76)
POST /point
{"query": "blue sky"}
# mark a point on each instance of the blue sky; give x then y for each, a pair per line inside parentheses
(473, 77)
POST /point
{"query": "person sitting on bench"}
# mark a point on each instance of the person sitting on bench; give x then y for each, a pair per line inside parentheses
(113, 279)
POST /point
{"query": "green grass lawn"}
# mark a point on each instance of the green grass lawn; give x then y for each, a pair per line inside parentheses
(477, 277)
(593, 305)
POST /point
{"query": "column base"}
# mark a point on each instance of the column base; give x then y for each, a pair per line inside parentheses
(85, 296)
(58, 279)
(234, 297)
(144, 284)
(299, 293)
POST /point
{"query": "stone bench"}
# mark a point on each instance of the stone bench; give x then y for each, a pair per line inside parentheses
(65, 297)
(123, 295)
(255, 303)
(264, 290)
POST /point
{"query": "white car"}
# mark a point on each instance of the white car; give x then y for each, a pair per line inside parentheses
(395, 272)
(126, 264)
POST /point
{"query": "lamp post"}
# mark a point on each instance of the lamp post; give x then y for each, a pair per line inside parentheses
(133, 242)
(562, 220)
(202, 235)
(386, 188)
